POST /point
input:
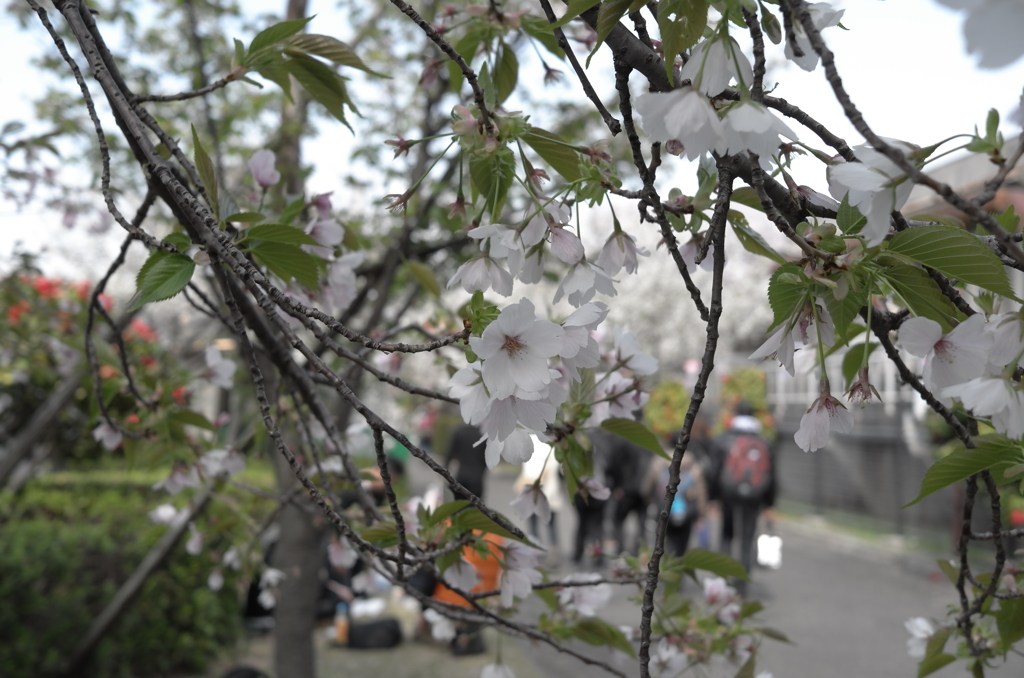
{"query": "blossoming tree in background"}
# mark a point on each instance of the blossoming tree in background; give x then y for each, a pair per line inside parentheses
(307, 296)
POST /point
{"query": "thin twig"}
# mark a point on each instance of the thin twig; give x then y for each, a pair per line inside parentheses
(184, 96)
(614, 126)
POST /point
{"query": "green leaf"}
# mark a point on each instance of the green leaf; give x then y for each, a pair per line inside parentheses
(206, 173)
(162, 276)
(466, 47)
(930, 665)
(951, 571)
(332, 49)
(753, 242)
(681, 22)
(919, 292)
(293, 210)
(771, 25)
(322, 84)
(383, 534)
(275, 34)
(963, 463)
(775, 634)
(844, 311)
(539, 29)
(992, 126)
(715, 563)
(747, 670)
(1010, 621)
(506, 72)
(442, 512)
(573, 9)
(555, 152)
(549, 596)
(954, 253)
(635, 432)
(285, 233)
(192, 419)
(1008, 220)
(853, 359)
(849, 219)
(425, 277)
(289, 261)
(179, 240)
(599, 632)
(276, 70)
(785, 296)
(492, 176)
(245, 217)
(473, 519)
(747, 196)
(610, 13)
(239, 52)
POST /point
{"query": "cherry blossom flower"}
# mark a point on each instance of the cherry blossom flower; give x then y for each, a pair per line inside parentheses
(995, 397)
(194, 545)
(823, 17)
(182, 475)
(780, 346)
(582, 282)
(578, 326)
(216, 579)
(496, 671)
(585, 600)
(875, 186)
(992, 29)
(752, 127)
(340, 288)
(716, 590)
(107, 435)
(232, 559)
(565, 245)
(166, 514)
(515, 349)
(714, 63)
(467, 385)
(824, 415)
(1007, 332)
(442, 629)
(862, 390)
(326, 231)
(531, 409)
(216, 462)
(532, 501)
(594, 488)
(271, 578)
(667, 661)
(952, 359)
(688, 251)
(620, 251)
(481, 274)
(461, 575)
(261, 164)
(728, 615)
(221, 369)
(684, 114)
(920, 630)
(517, 448)
(628, 353)
(519, 573)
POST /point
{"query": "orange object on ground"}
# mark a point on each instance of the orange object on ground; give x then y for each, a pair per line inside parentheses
(488, 569)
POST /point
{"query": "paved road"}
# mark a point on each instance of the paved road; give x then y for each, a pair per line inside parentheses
(842, 600)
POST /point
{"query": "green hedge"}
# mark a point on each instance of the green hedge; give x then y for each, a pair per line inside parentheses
(66, 547)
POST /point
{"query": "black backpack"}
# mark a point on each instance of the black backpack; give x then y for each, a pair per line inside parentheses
(747, 471)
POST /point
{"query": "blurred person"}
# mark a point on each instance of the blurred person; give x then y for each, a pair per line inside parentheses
(590, 510)
(745, 475)
(543, 467)
(628, 465)
(690, 502)
(465, 461)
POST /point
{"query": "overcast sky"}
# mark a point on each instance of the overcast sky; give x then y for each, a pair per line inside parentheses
(902, 61)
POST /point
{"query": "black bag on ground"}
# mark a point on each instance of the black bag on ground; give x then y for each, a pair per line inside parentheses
(374, 634)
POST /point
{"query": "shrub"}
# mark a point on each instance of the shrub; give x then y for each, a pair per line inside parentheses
(68, 546)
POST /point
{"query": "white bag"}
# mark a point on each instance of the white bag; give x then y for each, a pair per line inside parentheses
(769, 551)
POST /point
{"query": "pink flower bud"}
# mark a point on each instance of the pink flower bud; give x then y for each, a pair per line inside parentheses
(261, 164)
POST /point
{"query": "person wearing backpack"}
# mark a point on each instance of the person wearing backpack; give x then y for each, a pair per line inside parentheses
(746, 483)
